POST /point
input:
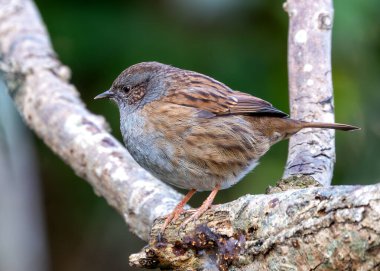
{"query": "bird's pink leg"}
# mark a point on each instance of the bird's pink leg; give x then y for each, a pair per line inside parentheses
(204, 207)
(178, 209)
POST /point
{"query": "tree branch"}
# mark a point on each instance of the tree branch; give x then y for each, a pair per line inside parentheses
(38, 83)
(310, 88)
(336, 228)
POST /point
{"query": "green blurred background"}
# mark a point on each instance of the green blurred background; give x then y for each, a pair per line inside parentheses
(241, 43)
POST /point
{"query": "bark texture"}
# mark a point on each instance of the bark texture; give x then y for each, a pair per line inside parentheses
(311, 152)
(336, 228)
(38, 83)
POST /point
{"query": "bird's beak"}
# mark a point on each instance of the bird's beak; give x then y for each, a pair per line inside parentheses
(106, 94)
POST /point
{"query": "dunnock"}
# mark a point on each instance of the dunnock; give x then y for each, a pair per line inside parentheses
(194, 132)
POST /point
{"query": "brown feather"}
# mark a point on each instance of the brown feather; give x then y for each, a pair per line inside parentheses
(202, 92)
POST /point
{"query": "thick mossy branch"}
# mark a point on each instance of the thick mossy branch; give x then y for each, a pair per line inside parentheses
(336, 228)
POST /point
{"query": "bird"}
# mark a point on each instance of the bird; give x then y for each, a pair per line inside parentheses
(194, 132)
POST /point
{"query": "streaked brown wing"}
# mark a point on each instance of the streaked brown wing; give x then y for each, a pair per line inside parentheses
(200, 91)
(253, 105)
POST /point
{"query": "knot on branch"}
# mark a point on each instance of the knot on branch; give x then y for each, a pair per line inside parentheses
(325, 21)
(293, 182)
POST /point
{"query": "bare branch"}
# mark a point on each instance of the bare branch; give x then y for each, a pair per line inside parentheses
(310, 88)
(38, 83)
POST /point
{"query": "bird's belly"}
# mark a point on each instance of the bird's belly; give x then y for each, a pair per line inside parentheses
(181, 172)
(231, 176)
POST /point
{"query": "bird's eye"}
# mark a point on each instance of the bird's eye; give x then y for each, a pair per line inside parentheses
(126, 88)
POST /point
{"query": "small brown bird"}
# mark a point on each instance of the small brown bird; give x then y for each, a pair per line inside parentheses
(194, 132)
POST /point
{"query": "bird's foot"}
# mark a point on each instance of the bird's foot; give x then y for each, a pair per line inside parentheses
(177, 211)
(198, 213)
(201, 210)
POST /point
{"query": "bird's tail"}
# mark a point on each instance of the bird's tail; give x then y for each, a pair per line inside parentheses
(287, 127)
(291, 126)
(336, 126)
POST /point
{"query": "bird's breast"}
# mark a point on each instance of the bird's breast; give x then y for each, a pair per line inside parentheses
(141, 141)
